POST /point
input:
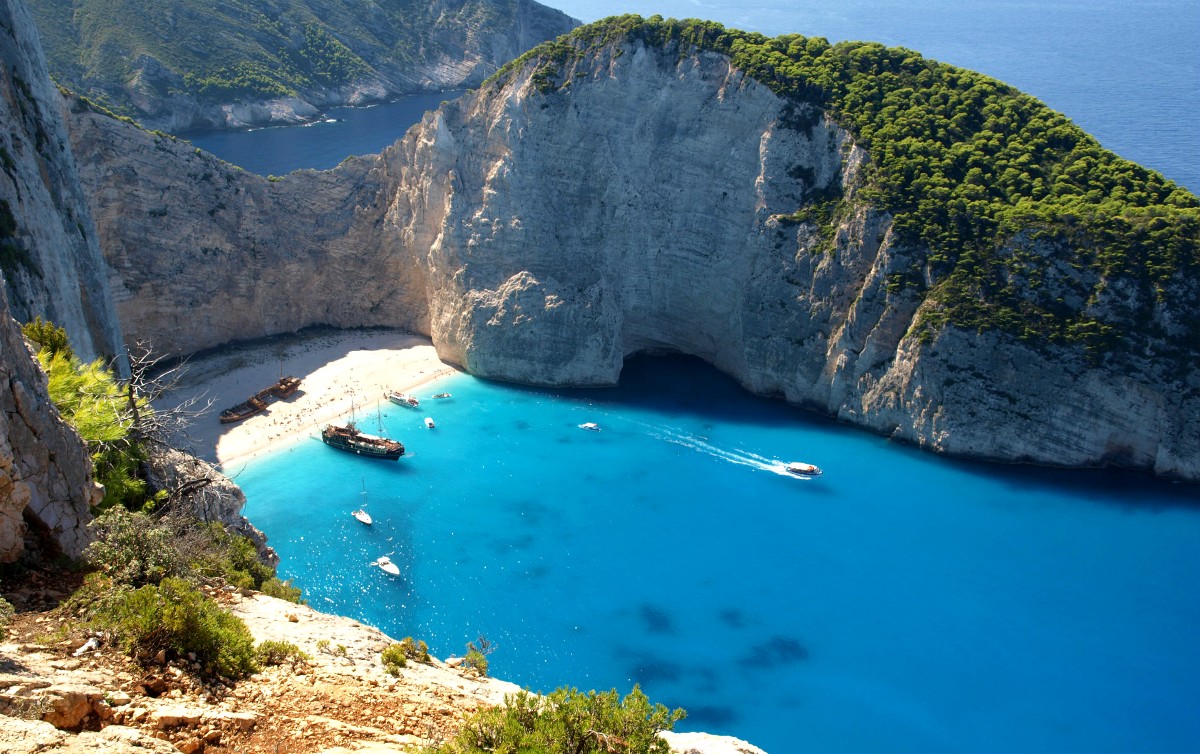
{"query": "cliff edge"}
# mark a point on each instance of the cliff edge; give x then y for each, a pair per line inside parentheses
(615, 193)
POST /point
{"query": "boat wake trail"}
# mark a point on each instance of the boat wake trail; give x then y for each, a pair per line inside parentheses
(738, 457)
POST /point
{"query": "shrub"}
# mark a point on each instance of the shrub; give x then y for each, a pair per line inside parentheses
(132, 549)
(272, 652)
(6, 614)
(415, 650)
(174, 616)
(217, 552)
(568, 720)
(394, 658)
(476, 658)
(283, 590)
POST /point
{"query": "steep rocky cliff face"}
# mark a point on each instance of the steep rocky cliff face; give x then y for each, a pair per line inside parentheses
(237, 64)
(642, 200)
(202, 253)
(45, 471)
(49, 255)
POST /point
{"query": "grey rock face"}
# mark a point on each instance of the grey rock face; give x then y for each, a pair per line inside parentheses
(49, 255)
(45, 471)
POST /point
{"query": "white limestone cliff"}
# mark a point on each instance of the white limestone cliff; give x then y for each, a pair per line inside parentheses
(645, 200)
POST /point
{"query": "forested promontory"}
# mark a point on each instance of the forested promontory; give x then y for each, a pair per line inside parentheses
(178, 64)
(973, 172)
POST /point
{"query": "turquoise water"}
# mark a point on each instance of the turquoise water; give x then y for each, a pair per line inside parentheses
(899, 603)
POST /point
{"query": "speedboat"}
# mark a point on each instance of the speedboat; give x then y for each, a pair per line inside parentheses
(386, 565)
(802, 469)
(402, 399)
(441, 395)
(590, 426)
(429, 422)
(362, 516)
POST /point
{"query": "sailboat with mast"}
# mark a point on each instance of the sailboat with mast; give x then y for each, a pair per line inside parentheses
(347, 437)
(361, 514)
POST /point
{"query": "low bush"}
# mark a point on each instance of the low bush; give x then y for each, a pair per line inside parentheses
(6, 614)
(272, 652)
(567, 720)
(415, 650)
(176, 617)
(132, 548)
(394, 658)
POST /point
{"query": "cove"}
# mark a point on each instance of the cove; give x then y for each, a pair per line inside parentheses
(902, 602)
(342, 132)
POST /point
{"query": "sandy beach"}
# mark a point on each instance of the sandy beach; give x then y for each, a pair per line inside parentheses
(341, 371)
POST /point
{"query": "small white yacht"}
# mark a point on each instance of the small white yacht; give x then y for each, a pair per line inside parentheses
(386, 565)
(590, 426)
(363, 516)
(429, 422)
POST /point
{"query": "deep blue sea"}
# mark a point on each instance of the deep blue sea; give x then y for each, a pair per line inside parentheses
(899, 603)
(342, 132)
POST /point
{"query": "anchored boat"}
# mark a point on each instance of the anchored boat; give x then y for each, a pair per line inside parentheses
(348, 438)
(402, 399)
(285, 388)
(386, 565)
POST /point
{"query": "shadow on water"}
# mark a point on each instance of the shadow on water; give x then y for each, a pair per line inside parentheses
(688, 386)
(776, 651)
(656, 620)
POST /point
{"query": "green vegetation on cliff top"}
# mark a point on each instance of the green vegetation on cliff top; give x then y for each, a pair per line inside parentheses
(984, 177)
(245, 49)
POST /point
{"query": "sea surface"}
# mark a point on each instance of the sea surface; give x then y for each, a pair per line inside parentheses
(342, 132)
(901, 602)
(1126, 72)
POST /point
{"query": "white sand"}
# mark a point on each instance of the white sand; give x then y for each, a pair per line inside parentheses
(342, 372)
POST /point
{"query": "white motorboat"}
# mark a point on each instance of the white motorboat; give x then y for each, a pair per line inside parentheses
(441, 395)
(590, 426)
(403, 399)
(429, 422)
(386, 565)
(802, 469)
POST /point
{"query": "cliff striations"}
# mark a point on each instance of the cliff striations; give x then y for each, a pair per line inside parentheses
(49, 255)
(641, 199)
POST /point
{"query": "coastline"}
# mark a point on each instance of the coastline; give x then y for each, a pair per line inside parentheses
(341, 372)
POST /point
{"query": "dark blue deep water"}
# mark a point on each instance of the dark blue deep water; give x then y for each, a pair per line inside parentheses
(342, 132)
(899, 603)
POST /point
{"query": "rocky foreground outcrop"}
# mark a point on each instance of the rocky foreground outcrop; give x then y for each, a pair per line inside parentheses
(636, 199)
(66, 694)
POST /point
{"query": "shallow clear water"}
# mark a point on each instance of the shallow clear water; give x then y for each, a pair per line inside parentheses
(899, 603)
